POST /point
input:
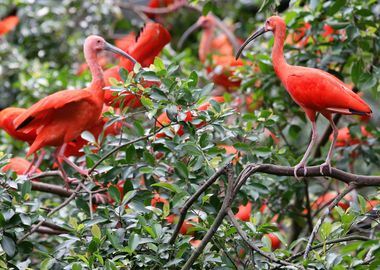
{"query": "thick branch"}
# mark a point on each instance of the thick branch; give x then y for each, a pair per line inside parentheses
(359, 180)
(49, 188)
(193, 198)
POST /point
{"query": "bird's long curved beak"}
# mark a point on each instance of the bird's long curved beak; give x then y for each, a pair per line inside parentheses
(116, 50)
(187, 33)
(252, 37)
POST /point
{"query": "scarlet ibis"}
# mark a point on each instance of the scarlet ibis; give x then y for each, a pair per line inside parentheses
(20, 165)
(7, 116)
(149, 42)
(223, 65)
(313, 89)
(9, 22)
(275, 241)
(61, 117)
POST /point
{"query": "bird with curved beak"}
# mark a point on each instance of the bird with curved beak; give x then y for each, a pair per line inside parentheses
(61, 117)
(223, 62)
(313, 89)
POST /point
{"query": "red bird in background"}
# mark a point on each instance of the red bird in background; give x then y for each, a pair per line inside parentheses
(9, 22)
(19, 165)
(149, 42)
(61, 117)
(313, 89)
(223, 63)
(7, 116)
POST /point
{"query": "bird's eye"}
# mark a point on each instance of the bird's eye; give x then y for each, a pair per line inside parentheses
(267, 22)
(99, 41)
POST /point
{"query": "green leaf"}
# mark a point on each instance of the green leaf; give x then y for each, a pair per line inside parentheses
(181, 169)
(8, 245)
(47, 263)
(326, 229)
(159, 64)
(114, 193)
(335, 6)
(193, 79)
(167, 186)
(76, 266)
(356, 71)
(26, 188)
(208, 7)
(88, 136)
(147, 102)
(95, 230)
(134, 241)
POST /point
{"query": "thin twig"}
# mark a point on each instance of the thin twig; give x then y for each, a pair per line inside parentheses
(308, 208)
(121, 146)
(334, 203)
(50, 188)
(54, 210)
(245, 237)
(330, 242)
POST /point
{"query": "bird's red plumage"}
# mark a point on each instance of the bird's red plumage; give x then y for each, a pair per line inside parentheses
(7, 116)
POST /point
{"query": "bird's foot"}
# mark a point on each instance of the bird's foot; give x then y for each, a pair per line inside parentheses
(325, 164)
(100, 198)
(299, 166)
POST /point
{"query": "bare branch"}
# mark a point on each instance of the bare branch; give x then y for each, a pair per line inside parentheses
(50, 188)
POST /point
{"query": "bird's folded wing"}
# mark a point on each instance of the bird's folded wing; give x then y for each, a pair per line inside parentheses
(316, 89)
(51, 102)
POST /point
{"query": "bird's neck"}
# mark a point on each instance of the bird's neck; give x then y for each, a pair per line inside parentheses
(205, 44)
(278, 59)
(97, 83)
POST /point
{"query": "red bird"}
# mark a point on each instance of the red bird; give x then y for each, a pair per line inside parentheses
(149, 43)
(7, 116)
(20, 165)
(9, 23)
(244, 213)
(223, 65)
(313, 89)
(63, 116)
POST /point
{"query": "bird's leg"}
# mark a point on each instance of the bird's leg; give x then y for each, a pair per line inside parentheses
(302, 163)
(31, 169)
(60, 167)
(327, 162)
(37, 160)
(72, 164)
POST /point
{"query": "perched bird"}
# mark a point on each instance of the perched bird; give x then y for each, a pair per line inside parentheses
(313, 89)
(149, 42)
(223, 62)
(7, 116)
(61, 117)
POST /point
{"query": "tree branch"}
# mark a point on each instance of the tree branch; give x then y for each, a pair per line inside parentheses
(334, 241)
(245, 237)
(50, 188)
(54, 210)
(217, 222)
(193, 198)
(334, 203)
(121, 146)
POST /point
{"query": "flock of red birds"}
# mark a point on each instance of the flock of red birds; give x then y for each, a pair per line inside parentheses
(59, 119)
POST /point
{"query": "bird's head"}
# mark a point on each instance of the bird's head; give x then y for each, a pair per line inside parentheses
(98, 44)
(271, 24)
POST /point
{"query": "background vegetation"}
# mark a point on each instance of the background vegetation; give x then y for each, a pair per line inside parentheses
(42, 55)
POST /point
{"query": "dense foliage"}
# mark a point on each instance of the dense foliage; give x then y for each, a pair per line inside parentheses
(42, 55)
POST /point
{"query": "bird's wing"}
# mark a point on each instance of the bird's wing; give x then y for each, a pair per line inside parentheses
(57, 100)
(318, 90)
